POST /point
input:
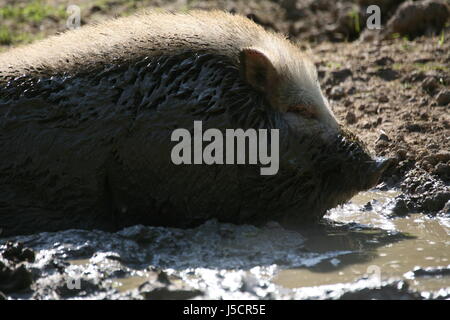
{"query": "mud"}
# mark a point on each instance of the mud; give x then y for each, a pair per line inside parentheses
(337, 259)
(422, 193)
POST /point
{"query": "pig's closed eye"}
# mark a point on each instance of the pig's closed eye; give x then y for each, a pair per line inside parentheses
(304, 111)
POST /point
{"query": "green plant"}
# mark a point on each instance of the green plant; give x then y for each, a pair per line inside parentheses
(34, 11)
(354, 15)
(441, 38)
(334, 65)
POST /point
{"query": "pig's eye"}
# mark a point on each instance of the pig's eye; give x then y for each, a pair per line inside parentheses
(302, 110)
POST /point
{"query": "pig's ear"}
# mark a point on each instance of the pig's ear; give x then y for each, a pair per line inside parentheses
(258, 70)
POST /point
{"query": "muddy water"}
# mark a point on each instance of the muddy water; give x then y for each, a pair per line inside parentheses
(377, 247)
(357, 240)
(355, 252)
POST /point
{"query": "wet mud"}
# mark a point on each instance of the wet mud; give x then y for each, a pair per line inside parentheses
(358, 252)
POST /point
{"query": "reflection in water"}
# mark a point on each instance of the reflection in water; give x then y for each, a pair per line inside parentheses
(393, 246)
(361, 240)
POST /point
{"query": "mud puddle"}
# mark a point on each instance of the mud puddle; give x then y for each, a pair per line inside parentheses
(425, 244)
(358, 252)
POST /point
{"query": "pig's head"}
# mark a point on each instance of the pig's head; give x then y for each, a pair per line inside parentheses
(333, 162)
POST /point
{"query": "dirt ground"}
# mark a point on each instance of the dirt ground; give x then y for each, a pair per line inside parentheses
(390, 93)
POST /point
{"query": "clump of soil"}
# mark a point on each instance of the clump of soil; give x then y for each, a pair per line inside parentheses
(415, 18)
(422, 193)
